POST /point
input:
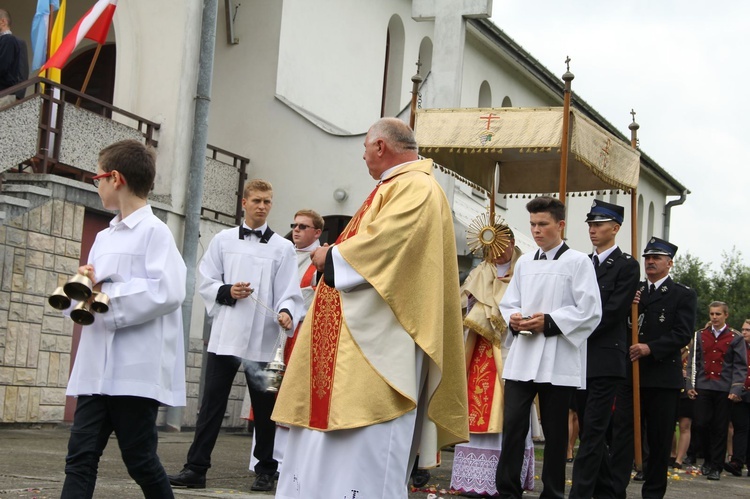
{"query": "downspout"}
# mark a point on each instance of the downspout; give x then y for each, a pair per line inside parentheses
(668, 212)
(194, 196)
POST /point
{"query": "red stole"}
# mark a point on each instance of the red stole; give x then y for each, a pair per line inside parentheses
(482, 378)
(305, 282)
(325, 327)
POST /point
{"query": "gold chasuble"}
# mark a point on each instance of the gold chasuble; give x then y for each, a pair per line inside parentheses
(353, 364)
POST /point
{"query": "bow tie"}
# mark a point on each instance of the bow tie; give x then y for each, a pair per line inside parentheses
(244, 232)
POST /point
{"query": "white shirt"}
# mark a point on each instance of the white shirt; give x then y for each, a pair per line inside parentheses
(247, 329)
(567, 290)
(136, 348)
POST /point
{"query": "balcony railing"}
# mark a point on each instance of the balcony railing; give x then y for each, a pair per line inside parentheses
(58, 130)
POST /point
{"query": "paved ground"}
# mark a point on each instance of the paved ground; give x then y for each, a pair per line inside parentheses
(32, 462)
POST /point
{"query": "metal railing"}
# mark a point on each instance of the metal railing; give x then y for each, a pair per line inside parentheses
(51, 131)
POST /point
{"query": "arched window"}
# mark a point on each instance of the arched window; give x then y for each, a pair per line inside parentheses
(651, 219)
(394, 67)
(506, 102)
(425, 57)
(485, 95)
(640, 219)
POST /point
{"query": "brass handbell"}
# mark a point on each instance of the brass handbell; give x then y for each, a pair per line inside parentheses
(81, 314)
(79, 287)
(58, 299)
(100, 303)
(274, 371)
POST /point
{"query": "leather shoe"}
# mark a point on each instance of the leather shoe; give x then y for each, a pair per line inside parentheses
(420, 478)
(705, 470)
(188, 478)
(263, 482)
(714, 475)
(733, 467)
(639, 477)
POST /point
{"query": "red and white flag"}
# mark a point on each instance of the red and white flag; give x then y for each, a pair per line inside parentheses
(94, 25)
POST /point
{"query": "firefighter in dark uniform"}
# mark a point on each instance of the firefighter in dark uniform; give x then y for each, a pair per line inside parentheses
(666, 320)
(617, 274)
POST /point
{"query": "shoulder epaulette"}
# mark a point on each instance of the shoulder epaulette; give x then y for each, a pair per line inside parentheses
(682, 285)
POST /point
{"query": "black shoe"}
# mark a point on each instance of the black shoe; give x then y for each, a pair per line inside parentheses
(263, 482)
(733, 467)
(714, 475)
(705, 470)
(188, 478)
(420, 478)
(676, 466)
(639, 477)
(688, 461)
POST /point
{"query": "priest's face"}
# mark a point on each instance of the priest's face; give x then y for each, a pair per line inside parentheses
(507, 255)
(546, 231)
(373, 156)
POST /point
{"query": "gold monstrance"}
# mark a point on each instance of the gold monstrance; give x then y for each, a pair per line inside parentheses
(490, 236)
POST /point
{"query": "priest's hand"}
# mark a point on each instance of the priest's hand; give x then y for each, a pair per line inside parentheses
(692, 394)
(318, 257)
(637, 297)
(639, 350)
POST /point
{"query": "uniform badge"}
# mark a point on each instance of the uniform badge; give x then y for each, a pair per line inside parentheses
(664, 289)
(661, 317)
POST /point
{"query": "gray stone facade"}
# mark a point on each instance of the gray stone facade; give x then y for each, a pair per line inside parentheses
(40, 250)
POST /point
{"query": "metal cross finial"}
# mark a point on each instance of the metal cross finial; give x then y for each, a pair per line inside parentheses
(419, 65)
(632, 112)
(567, 62)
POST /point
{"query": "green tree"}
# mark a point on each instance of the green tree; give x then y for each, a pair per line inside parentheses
(731, 284)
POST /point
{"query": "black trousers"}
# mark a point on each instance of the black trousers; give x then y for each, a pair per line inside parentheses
(553, 407)
(133, 420)
(658, 409)
(741, 438)
(220, 372)
(592, 475)
(711, 426)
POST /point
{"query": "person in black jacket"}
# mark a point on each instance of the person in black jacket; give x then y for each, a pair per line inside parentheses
(10, 58)
(666, 319)
(617, 274)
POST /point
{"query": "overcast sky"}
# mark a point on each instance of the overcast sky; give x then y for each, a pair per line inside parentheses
(683, 66)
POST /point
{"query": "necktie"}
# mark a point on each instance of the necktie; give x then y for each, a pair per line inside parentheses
(596, 261)
(543, 256)
(246, 232)
(651, 289)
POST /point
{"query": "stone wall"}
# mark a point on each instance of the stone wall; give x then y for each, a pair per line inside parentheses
(40, 249)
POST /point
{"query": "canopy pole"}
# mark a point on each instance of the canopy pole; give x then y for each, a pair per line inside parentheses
(415, 81)
(493, 191)
(634, 312)
(567, 78)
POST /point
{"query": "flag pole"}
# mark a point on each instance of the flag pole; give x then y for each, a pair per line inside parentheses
(637, 442)
(88, 75)
(50, 24)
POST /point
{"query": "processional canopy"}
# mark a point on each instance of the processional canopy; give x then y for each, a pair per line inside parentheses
(526, 143)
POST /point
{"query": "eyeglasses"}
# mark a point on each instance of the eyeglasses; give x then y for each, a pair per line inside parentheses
(95, 179)
(301, 226)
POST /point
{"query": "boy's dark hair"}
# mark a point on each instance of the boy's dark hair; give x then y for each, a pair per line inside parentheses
(134, 161)
(546, 204)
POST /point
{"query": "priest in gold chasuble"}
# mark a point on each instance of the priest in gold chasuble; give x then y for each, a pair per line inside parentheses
(378, 371)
